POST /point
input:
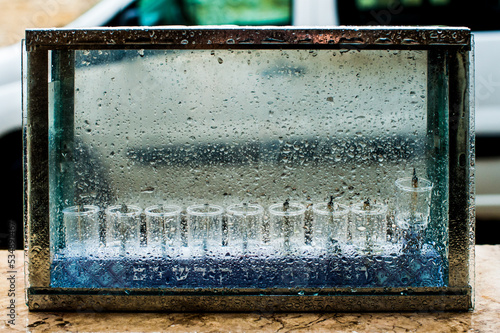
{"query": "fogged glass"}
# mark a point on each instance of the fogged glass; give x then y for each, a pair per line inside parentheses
(82, 229)
(229, 126)
(263, 127)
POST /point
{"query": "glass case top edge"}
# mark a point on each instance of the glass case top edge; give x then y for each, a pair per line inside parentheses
(230, 36)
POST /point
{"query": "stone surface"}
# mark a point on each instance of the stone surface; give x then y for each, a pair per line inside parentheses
(485, 317)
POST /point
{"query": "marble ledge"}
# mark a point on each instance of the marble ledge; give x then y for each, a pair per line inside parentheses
(485, 317)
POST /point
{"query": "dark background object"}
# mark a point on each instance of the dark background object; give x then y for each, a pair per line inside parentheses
(11, 197)
(477, 15)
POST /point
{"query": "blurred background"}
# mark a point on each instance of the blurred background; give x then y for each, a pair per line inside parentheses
(482, 16)
(18, 15)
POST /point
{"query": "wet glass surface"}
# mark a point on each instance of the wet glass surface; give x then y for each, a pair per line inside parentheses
(292, 128)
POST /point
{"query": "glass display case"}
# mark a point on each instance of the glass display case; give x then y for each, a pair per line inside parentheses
(249, 169)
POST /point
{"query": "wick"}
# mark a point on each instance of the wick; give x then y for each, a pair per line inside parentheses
(79, 206)
(366, 204)
(286, 205)
(414, 179)
(287, 228)
(414, 202)
(309, 203)
(330, 204)
(124, 209)
(308, 220)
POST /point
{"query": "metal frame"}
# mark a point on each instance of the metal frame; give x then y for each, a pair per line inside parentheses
(455, 45)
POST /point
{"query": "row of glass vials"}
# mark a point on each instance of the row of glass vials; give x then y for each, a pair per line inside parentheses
(283, 227)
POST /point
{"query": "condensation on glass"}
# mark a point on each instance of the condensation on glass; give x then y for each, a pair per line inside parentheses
(323, 164)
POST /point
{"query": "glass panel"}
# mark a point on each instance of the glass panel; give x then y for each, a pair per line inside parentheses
(248, 169)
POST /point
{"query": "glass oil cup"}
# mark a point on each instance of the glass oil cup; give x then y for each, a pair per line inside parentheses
(82, 229)
(204, 227)
(245, 226)
(286, 226)
(163, 226)
(123, 229)
(368, 227)
(413, 204)
(329, 228)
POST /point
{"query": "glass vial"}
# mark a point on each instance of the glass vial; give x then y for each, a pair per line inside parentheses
(245, 223)
(368, 227)
(123, 228)
(163, 226)
(82, 229)
(286, 226)
(330, 225)
(204, 227)
(413, 204)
